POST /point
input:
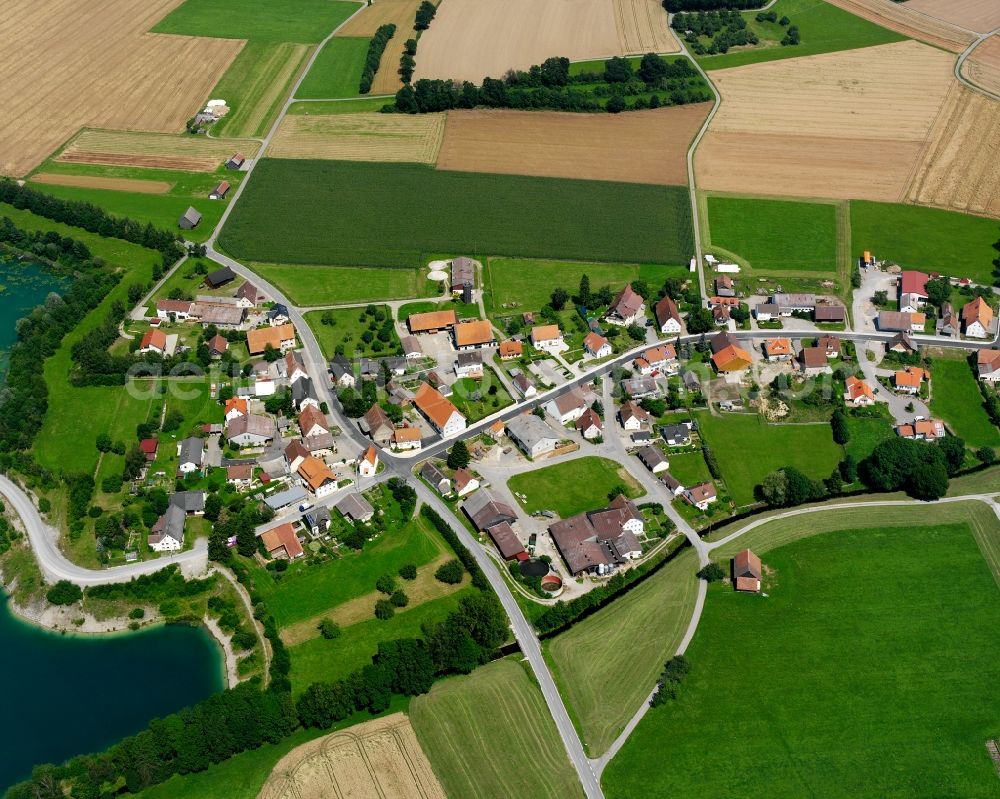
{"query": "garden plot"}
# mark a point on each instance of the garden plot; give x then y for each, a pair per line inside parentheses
(588, 146)
(843, 125)
(143, 82)
(152, 150)
(360, 137)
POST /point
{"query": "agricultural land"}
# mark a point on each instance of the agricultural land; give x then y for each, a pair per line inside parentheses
(400, 13)
(983, 66)
(901, 18)
(981, 16)
(360, 137)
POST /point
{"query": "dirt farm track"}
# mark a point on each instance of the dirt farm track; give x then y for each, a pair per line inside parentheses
(379, 759)
(144, 82)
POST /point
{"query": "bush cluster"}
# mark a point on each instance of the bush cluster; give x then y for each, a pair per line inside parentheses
(373, 57)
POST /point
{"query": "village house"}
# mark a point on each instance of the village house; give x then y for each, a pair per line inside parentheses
(668, 318)
(914, 284)
(858, 393)
(407, 438)
(721, 315)
(657, 360)
(829, 344)
(469, 364)
(304, 394)
(355, 508)
(431, 321)
(249, 296)
(596, 346)
(566, 407)
(148, 447)
(909, 379)
(250, 430)
(977, 316)
(510, 350)
(498, 429)
(312, 422)
(589, 424)
(295, 453)
(548, 338)
(464, 482)
(295, 366)
(240, 475)
(627, 308)
(988, 365)
(281, 338)
(191, 502)
(766, 312)
(653, 459)
(922, 430)
(282, 543)
(701, 495)
(317, 477)
(898, 322)
(599, 541)
(175, 309)
(433, 475)
(190, 455)
(672, 484)
(676, 435)
(902, 343)
(731, 360)
(632, 416)
(342, 373)
(639, 387)
(440, 412)
(217, 346)
(747, 572)
(189, 219)
(411, 347)
(278, 315)
(167, 533)
(830, 313)
(949, 323)
(532, 435)
(485, 511)
(523, 384)
(723, 302)
(377, 425)
(317, 521)
(234, 408)
(154, 341)
(910, 303)
(368, 463)
(724, 286)
(813, 361)
(473, 335)
(778, 349)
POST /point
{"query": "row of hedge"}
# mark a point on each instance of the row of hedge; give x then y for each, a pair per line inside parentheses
(376, 47)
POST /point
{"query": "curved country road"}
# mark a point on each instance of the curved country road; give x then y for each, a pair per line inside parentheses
(56, 566)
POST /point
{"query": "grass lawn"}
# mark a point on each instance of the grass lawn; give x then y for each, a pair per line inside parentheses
(389, 214)
(519, 284)
(824, 29)
(462, 311)
(307, 590)
(574, 486)
(306, 21)
(347, 329)
(489, 735)
(331, 285)
(866, 434)
(336, 72)
(926, 238)
(608, 663)
(958, 402)
(842, 682)
(776, 234)
(321, 660)
(689, 467)
(464, 397)
(748, 449)
(366, 105)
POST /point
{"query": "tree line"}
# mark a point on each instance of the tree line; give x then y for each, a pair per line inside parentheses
(376, 47)
(675, 6)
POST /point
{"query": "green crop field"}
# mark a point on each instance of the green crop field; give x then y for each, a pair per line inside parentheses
(926, 238)
(824, 29)
(526, 285)
(331, 285)
(868, 670)
(489, 735)
(574, 486)
(958, 402)
(336, 72)
(304, 21)
(776, 234)
(388, 214)
(607, 664)
(368, 105)
(347, 330)
(748, 449)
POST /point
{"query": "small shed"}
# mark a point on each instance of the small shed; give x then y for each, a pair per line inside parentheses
(236, 161)
(189, 220)
(220, 191)
(747, 571)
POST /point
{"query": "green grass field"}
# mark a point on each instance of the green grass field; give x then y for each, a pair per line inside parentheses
(388, 214)
(308, 590)
(958, 402)
(336, 72)
(748, 450)
(319, 659)
(866, 434)
(608, 663)
(489, 735)
(776, 234)
(689, 467)
(347, 331)
(331, 285)
(526, 285)
(867, 671)
(462, 311)
(824, 29)
(305, 21)
(366, 105)
(571, 487)
(926, 238)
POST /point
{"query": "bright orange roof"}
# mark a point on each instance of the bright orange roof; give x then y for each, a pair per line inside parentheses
(283, 536)
(911, 377)
(431, 320)
(858, 388)
(977, 311)
(731, 359)
(511, 347)
(237, 404)
(315, 472)
(778, 346)
(545, 333)
(154, 338)
(593, 342)
(469, 334)
(370, 456)
(407, 434)
(257, 340)
(432, 405)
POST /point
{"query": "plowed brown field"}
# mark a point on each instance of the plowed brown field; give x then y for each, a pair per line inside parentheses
(95, 182)
(898, 17)
(153, 150)
(67, 64)
(360, 137)
(473, 39)
(383, 12)
(638, 147)
(843, 125)
(982, 66)
(981, 16)
(379, 759)
(961, 168)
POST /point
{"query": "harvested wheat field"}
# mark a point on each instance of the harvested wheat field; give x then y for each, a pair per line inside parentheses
(585, 146)
(981, 16)
(60, 74)
(961, 168)
(475, 39)
(379, 759)
(900, 18)
(152, 150)
(643, 27)
(401, 14)
(982, 67)
(360, 137)
(845, 125)
(135, 185)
